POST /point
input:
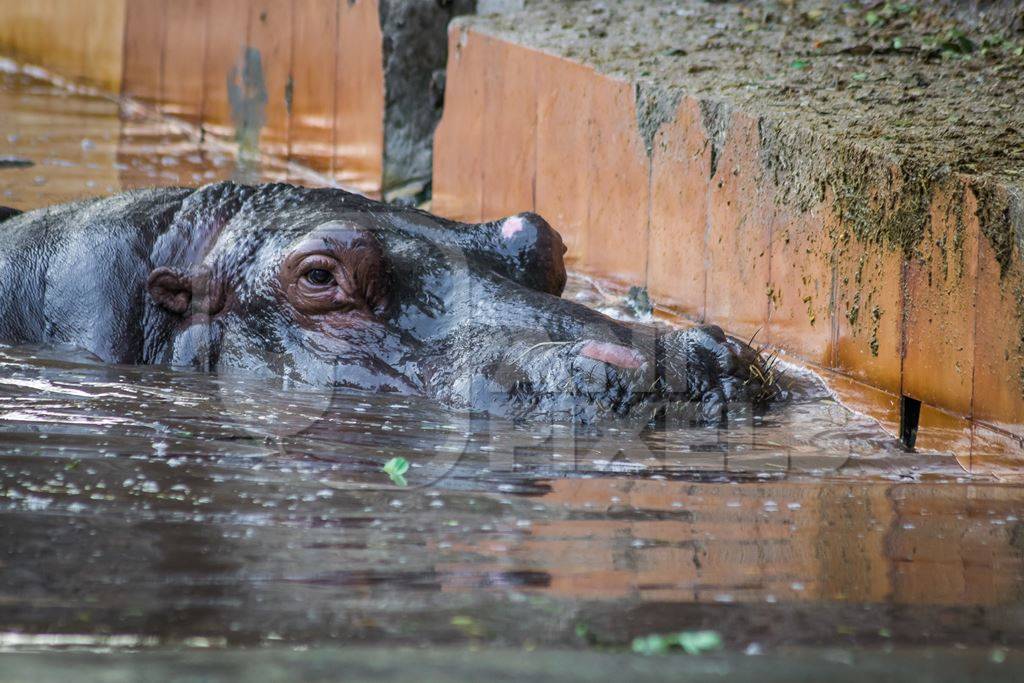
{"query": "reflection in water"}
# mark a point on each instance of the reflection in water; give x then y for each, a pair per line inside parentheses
(62, 146)
(173, 505)
(140, 505)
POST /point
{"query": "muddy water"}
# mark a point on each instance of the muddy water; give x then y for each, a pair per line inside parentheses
(143, 507)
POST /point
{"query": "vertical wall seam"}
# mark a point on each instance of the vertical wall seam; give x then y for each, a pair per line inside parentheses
(904, 316)
(290, 106)
(587, 233)
(833, 355)
(974, 322)
(124, 49)
(975, 301)
(289, 84)
(486, 57)
(708, 199)
(331, 165)
(647, 226)
(537, 57)
(160, 100)
(202, 73)
(768, 310)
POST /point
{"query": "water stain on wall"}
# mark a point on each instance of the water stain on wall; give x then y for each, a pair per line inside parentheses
(247, 95)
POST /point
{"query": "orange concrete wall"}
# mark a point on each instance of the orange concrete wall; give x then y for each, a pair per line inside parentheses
(322, 67)
(524, 130)
(562, 139)
(81, 41)
(321, 63)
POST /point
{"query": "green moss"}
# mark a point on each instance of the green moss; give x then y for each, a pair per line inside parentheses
(878, 200)
(881, 204)
(994, 220)
(854, 313)
(876, 317)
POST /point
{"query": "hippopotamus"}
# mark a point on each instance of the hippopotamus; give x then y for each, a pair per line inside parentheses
(326, 288)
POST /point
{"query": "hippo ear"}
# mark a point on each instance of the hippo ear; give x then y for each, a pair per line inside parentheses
(170, 289)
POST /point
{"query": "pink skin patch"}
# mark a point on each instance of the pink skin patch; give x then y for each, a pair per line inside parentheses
(511, 227)
(613, 354)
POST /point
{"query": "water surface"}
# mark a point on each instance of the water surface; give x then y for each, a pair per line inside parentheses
(145, 508)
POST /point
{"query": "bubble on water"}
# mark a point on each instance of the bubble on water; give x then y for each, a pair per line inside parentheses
(37, 503)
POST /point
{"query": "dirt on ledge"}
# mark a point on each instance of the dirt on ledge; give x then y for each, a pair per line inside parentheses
(838, 87)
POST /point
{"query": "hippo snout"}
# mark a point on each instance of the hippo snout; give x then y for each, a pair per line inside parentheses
(701, 369)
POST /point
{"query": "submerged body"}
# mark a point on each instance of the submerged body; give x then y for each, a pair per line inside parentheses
(326, 288)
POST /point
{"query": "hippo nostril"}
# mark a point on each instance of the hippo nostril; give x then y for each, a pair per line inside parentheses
(613, 354)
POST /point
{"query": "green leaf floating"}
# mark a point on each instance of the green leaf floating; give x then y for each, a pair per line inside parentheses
(691, 642)
(396, 468)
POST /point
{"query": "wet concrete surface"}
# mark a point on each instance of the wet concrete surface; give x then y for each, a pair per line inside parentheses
(143, 508)
(448, 664)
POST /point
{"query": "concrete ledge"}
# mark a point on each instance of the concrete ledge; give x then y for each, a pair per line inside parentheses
(774, 169)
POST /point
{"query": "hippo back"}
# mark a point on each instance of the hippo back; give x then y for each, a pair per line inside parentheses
(76, 273)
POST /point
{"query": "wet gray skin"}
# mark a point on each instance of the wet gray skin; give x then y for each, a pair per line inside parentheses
(328, 289)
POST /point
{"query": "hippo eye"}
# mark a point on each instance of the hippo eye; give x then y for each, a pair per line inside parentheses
(319, 277)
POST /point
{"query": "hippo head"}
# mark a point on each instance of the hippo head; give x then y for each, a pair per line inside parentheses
(327, 288)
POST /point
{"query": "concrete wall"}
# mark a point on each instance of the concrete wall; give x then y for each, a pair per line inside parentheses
(698, 220)
(81, 41)
(318, 82)
(687, 205)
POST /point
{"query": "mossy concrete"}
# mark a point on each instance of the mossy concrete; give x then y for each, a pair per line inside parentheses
(859, 102)
(877, 112)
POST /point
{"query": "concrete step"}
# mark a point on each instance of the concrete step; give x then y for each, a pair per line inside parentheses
(848, 185)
